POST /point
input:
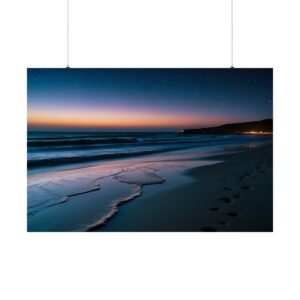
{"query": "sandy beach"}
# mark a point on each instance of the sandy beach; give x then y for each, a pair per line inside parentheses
(235, 195)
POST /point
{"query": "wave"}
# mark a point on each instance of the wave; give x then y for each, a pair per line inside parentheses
(136, 177)
(137, 192)
(61, 136)
(48, 162)
(114, 209)
(81, 141)
(35, 147)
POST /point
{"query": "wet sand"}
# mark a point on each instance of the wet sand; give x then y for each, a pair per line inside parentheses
(84, 199)
(235, 195)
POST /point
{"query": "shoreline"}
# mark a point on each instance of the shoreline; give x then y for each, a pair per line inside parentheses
(235, 195)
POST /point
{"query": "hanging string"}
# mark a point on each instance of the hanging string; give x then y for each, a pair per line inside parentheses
(232, 34)
(68, 34)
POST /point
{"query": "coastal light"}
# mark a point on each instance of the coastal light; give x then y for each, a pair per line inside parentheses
(258, 132)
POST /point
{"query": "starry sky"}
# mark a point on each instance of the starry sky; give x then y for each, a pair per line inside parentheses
(146, 99)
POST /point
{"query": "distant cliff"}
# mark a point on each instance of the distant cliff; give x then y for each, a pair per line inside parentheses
(256, 127)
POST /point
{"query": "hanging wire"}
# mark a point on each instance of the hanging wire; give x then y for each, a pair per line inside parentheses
(232, 34)
(68, 33)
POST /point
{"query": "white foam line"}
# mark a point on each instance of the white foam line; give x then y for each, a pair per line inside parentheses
(114, 208)
(138, 188)
(110, 175)
(66, 198)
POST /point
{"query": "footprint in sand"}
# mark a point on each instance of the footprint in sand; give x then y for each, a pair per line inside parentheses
(232, 214)
(245, 187)
(225, 199)
(227, 189)
(215, 209)
(242, 177)
(223, 223)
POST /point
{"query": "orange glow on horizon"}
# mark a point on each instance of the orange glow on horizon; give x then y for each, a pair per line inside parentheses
(114, 120)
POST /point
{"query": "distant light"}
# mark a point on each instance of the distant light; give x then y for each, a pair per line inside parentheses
(258, 132)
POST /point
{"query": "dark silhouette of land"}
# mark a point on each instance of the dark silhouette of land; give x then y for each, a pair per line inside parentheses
(255, 127)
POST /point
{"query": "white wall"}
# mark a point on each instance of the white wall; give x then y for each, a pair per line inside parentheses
(154, 33)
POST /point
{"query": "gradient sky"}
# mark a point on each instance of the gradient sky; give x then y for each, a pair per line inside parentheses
(146, 99)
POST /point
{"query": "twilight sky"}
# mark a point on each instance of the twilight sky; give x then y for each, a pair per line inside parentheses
(146, 99)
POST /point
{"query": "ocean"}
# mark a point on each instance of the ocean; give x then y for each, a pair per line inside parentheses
(49, 149)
